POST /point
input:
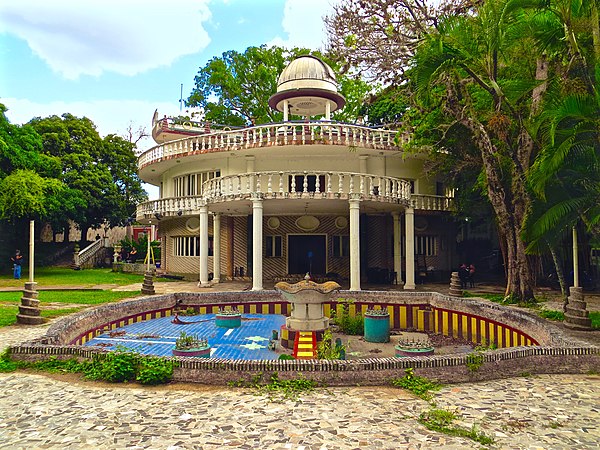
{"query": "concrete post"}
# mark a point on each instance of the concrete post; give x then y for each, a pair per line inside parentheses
(257, 239)
(203, 246)
(410, 248)
(216, 247)
(397, 248)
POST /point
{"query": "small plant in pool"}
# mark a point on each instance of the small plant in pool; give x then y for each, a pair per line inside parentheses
(229, 311)
(377, 312)
(190, 341)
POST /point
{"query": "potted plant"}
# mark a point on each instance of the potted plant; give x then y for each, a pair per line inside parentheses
(229, 318)
(191, 345)
(377, 325)
(413, 348)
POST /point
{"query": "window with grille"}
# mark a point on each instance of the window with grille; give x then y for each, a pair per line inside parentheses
(191, 184)
(341, 246)
(273, 246)
(190, 246)
(426, 245)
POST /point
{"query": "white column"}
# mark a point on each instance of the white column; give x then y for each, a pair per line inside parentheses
(397, 252)
(354, 244)
(285, 110)
(575, 259)
(216, 247)
(257, 240)
(31, 249)
(203, 246)
(410, 249)
(327, 110)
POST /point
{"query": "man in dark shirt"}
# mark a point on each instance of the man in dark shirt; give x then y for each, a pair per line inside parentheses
(17, 260)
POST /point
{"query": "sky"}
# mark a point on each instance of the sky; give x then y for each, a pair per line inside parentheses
(116, 61)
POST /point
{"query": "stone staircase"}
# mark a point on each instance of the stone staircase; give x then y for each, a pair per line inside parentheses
(577, 316)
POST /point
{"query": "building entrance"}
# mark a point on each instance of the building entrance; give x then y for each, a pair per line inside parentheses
(307, 253)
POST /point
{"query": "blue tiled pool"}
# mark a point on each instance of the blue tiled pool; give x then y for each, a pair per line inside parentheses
(157, 336)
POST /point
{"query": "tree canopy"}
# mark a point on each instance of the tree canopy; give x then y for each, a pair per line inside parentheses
(492, 72)
(58, 169)
(234, 88)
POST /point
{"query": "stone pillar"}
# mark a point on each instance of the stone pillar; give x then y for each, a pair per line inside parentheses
(216, 247)
(455, 285)
(354, 244)
(257, 240)
(577, 315)
(327, 110)
(397, 248)
(285, 110)
(148, 283)
(410, 248)
(203, 246)
(29, 311)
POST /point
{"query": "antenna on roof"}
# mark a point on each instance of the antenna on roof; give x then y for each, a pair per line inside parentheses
(181, 98)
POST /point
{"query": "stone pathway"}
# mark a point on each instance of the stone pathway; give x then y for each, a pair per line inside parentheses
(42, 412)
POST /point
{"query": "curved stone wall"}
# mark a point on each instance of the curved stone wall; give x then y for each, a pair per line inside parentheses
(536, 346)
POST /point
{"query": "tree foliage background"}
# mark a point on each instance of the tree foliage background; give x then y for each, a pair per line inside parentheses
(508, 90)
(59, 169)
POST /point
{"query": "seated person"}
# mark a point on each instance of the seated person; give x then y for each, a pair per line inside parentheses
(133, 255)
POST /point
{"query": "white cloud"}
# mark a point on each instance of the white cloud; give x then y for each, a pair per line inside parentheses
(303, 23)
(77, 37)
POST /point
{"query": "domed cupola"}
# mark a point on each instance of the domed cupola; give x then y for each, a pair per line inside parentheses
(307, 87)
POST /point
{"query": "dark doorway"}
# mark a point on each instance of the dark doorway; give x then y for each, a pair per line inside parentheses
(306, 253)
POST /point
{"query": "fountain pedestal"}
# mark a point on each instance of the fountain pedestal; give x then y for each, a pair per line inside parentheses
(307, 298)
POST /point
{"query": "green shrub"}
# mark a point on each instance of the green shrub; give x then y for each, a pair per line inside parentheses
(154, 370)
(116, 367)
(353, 325)
(285, 356)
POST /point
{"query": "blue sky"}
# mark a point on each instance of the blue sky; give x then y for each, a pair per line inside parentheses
(116, 61)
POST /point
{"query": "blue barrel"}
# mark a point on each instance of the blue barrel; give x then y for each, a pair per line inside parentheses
(377, 327)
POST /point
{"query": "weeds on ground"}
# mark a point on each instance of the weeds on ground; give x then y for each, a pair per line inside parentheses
(440, 420)
(420, 386)
(277, 390)
(501, 299)
(551, 314)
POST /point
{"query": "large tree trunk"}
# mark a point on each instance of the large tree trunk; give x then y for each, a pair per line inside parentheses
(510, 204)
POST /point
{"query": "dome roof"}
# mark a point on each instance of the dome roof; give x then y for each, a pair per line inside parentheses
(309, 87)
(305, 69)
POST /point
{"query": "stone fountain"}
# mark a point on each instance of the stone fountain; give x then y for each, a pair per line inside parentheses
(307, 298)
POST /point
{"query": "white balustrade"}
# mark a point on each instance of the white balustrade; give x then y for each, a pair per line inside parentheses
(274, 134)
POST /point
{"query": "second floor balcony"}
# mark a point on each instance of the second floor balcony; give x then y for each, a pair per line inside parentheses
(381, 194)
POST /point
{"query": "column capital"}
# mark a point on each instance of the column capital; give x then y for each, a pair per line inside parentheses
(395, 213)
(257, 199)
(354, 201)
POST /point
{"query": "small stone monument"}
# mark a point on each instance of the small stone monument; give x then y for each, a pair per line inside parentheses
(577, 316)
(148, 284)
(29, 311)
(455, 285)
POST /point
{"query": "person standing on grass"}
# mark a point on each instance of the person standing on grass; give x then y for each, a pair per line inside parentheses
(17, 260)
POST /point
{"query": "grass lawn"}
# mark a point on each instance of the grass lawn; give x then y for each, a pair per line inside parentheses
(53, 276)
(9, 302)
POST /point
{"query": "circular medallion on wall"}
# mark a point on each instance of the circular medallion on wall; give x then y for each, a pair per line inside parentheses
(421, 223)
(273, 223)
(192, 224)
(307, 223)
(341, 222)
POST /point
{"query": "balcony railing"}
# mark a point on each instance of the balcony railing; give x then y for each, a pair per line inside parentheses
(295, 185)
(306, 133)
(432, 202)
(305, 184)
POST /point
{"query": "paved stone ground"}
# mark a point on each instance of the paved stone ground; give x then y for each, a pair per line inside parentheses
(42, 412)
